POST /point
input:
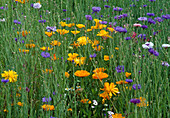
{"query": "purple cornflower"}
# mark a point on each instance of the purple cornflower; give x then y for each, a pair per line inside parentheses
(151, 50)
(49, 29)
(142, 18)
(150, 14)
(167, 16)
(88, 17)
(144, 5)
(1, 7)
(45, 54)
(120, 69)
(103, 22)
(159, 19)
(117, 9)
(150, 20)
(152, 0)
(135, 101)
(42, 21)
(96, 9)
(142, 36)
(64, 10)
(107, 6)
(144, 26)
(93, 55)
(129, 80)
(128, 38)
(156, 53)
(125, 15)
(16, 39)
(120, 29)
(46, 99)
(165, 64)
(138, 86)
(5, 80)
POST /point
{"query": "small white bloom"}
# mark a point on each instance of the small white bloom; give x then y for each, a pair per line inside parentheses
(105, 109)
(148, 45)
(37, 5)
(92, 107)
(165, 45)
(78, 87)
(95, 102)
(2, 20)
(67, 89)
(105, 105)
(110, 112)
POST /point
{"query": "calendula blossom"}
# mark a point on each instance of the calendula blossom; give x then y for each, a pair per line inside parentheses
(72, 56)
(48, 107)
(83, 40)
(55, 43)
(81, 73)
(99, 75)
(10, 75)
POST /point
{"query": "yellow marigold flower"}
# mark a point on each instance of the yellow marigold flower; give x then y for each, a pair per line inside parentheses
(70, 25)
(62, 31)
(81, 73)
(10, 75)
(102, 26)
(63, 24)
(49, 34)
(100, 75)
(5, 110)
(110, 89)
(30, 45)
(48, 107)
(75, 44)
(69, 109)
(86, 101)
(75, 32)
(106, 57)
(20, 104)
(143, 102)
(116, 48)
(23, 1)
(127, 74)
(83, 40)
(117, 115)
(95, 42)
(103, 33)
(80, 25)
(110, 29)
(121, 82)
(130, 88)
(88, 30)
(55, 42)
(72, 56)
(46, 48)
(67, 74)
(79, 60)
(99, 70)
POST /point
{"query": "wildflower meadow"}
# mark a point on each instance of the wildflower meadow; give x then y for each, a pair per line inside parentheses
(84, 58)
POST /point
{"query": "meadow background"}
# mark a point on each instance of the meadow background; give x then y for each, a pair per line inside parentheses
(40, 77)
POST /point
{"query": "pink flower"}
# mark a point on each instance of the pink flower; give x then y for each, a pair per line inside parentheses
(134, 35)
(137, 25)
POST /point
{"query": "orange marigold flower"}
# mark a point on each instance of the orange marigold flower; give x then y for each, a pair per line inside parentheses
(116, 48)
(63, 24)
(69, 109)
(103, 33)
(55, 42)
(80, 25)
(62, 31)
(48, 107)
(99, 75)
(110, 89)
(99, 70)
(70, 25)
(30, 45)
(143, 102)
(88, 30)
(86, 101)
(104, 95)
(67, 74)
(81, 73)
(48, 71)
(49, 34)
(5, 110)
(46, 48)
(98, 48)
(75, 44)
(111, 29)
(20, 104)
(117, 115)
(121, 82)
(106, 57)
(24, 33)
(127, 74)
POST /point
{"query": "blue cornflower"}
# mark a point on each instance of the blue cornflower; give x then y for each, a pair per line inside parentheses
(45, 54)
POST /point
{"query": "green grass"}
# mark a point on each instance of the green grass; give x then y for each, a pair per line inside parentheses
(154, 78)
